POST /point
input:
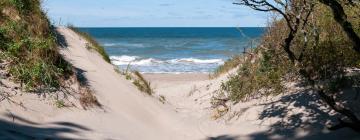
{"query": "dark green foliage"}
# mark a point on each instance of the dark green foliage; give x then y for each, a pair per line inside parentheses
(3, 39)
(26, 6)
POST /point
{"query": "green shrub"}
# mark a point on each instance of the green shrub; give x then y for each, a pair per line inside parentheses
(250, 78)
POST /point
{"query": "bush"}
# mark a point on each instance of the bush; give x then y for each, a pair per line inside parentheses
(255, 78)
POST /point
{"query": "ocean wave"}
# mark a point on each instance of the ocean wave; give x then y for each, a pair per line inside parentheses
(136, 60)
(197, 61)
(137, 45)
(132, 60)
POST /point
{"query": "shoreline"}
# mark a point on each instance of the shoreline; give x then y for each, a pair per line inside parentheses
(176, 77)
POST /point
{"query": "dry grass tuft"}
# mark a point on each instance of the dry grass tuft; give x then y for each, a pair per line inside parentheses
(28, 41)
(87, 99)
(142, 84)
(162, 99)
(227, 66)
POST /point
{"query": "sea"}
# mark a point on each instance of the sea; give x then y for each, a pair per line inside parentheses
(174, 50)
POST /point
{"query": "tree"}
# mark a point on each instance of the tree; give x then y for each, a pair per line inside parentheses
(341, 17)
(296, 14)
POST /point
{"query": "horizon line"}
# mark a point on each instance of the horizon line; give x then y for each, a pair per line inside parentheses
(165, 26)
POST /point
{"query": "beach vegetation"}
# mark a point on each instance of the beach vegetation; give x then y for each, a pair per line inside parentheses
(311, 42)
(260, 78)
(29, 52)
(60, 103)
(142, 84)
(230, 64)
(127, 72)
(28, 42)
(88, 99)
(162, 99)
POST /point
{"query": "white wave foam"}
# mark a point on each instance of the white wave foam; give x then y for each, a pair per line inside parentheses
(136, 60)
(124, 44)
(133, 60)
(122, 60)
(149, 61)
(197, 61)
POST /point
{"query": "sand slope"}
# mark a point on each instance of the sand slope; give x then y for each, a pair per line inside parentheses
(128, 114)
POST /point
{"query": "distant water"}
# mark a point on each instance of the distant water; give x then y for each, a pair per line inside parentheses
(174, 50)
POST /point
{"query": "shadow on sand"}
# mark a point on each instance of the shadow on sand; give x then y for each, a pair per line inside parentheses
(303, 117)
(60, 39)
(17, 127)
(223, 137)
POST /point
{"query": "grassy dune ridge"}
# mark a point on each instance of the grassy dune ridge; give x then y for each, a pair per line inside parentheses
(28, 45)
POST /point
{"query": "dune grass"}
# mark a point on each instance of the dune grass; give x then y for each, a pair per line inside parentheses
(227, 66)
(29, 44)
(142, 84)
(29, 51)
(94, 44)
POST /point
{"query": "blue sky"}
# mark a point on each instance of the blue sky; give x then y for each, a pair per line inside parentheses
(152, 13)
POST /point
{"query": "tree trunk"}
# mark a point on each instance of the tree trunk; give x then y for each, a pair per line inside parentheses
(354, 122)
(341, 18)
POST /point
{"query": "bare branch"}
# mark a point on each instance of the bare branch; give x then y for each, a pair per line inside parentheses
(341, 18)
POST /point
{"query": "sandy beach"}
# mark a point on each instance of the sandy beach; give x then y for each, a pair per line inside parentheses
(183, 77)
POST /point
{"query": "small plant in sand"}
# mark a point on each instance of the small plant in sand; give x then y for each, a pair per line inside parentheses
(60, 103)
(127, 73)
(162, 99)
(88, 100)
(142, 84)
(193, 90)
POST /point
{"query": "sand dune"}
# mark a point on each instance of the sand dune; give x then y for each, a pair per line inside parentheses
(128, 114)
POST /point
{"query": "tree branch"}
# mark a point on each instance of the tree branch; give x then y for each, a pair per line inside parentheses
(341, 18)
